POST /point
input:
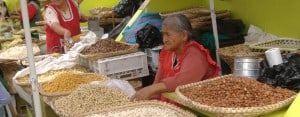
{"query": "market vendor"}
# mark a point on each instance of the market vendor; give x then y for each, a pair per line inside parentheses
(182, 60)
(34, 12)
(62, 19)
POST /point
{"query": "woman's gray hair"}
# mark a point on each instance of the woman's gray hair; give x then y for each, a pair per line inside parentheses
(179, 23)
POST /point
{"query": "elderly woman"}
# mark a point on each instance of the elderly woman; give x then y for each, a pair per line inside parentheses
(62, 19)
(182, 60)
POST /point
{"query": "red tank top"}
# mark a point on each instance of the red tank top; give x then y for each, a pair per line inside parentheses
(53, 40)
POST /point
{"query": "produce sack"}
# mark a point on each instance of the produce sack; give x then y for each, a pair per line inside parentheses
(148, 37)
(286, 75)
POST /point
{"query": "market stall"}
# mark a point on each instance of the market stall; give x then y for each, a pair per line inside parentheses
(83, 81)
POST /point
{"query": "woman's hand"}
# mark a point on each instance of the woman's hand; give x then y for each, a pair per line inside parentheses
(147, 92)
(142, 94)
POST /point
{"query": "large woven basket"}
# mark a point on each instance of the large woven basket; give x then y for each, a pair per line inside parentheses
(285, 45)
(228, 112)
(163, 105)
(133, 48)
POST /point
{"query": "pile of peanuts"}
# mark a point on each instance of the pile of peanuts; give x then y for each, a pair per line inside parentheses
(48, 75)
(146, 111)
(88, 98)
(69, 81)
(105, 46)
(236, 92)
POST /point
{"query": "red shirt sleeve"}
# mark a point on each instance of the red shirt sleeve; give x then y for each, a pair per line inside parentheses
(193, 69)
(31, 11)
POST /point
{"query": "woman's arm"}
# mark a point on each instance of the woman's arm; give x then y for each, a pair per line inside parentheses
(56, 27)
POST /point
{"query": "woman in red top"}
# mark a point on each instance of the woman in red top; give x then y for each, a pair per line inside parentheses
(182, 60)
(62, 19)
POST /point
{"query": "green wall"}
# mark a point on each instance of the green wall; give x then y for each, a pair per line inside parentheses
(279, 17)
(166, 5)
(86, 5)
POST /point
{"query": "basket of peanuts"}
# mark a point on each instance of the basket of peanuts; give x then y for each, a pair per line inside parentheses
(233, 96)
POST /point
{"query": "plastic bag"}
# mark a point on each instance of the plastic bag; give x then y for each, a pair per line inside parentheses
(148, 37)
(286, 75)
(256, 34)
(115, 83)
(127, 7)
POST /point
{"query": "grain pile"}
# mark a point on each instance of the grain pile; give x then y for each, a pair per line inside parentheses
(146, 111)
(105, 46)
(236, 92)
(88, 98)
(18, 52)
(49, 75)
(68, 82)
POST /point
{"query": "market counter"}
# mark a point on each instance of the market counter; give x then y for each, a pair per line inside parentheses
(279, 113)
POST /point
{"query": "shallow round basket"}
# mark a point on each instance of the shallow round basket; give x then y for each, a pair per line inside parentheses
(163, 105)
(133, 48)
(228, 112)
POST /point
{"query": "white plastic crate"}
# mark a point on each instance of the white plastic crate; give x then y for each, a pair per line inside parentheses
(126, 67)
(153, 56)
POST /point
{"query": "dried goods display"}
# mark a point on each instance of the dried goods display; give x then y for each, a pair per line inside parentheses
(17, 52)
(8, 44)
(106, 15)
(49, 75)
(233, 96)
(67, 82)
(107, 48)
(88, 98)
(237, 92)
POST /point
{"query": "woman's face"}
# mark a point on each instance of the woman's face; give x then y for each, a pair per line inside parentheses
(173, 40)
(58, 2)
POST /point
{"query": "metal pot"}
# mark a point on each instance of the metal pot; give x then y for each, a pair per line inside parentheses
(247, 66)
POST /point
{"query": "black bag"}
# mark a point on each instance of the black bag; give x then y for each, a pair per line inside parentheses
(286, 75)
(127, 7)
(148, 37)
